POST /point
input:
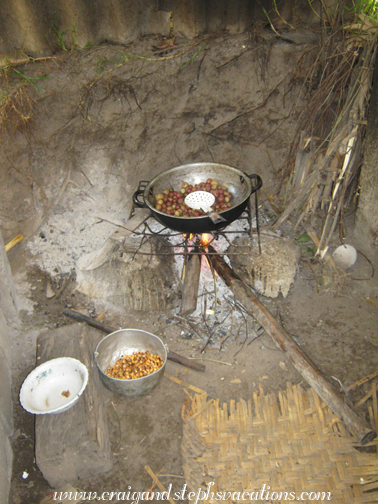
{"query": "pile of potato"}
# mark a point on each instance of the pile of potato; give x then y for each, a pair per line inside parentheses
(172, 202)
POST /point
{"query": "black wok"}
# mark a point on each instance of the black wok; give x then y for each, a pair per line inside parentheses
(238, 183)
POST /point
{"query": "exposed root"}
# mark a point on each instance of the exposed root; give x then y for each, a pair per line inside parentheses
(127, 58)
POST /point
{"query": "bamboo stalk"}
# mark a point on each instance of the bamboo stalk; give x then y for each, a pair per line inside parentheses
(345, 170)
(311, 179)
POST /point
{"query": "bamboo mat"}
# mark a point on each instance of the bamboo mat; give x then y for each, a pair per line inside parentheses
(291, 443)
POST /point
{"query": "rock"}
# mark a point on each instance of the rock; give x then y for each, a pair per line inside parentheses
(49, 292)
(345, 256)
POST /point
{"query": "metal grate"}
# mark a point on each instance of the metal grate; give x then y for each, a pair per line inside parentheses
(176, 240)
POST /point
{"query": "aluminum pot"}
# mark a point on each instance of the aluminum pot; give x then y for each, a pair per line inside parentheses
(126, 342)
(239, 184)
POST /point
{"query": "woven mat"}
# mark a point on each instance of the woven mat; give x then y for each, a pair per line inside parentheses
(289, 443)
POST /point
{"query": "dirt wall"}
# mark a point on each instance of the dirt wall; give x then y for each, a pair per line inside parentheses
(367, 212)
(39, 27)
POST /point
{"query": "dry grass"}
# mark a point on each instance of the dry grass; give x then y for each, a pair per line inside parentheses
(16, 110)
(325, 155)
(16, 103)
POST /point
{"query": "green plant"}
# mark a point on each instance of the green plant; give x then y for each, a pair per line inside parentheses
(28, 80)
(368, 8)
(191, 60)
(268, 18)
(303, 238)
(3, 96)
(74, 37)
(308, 250)
(58, 33)
(360, 23)
(353, 16)
(100, 65)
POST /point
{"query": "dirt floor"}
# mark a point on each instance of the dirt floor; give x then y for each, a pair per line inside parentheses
(106, 118)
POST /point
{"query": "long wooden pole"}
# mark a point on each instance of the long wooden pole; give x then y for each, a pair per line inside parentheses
(172, 356)
(356, 425)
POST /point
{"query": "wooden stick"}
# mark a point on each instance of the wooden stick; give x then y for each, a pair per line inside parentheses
(156, 480)
(185, 384)
(191, 284)
(184, 361)
(172, 356)
(356, 425)
(80, 317)
(13, 242)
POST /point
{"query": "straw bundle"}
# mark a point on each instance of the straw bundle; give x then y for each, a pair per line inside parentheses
(292, 444)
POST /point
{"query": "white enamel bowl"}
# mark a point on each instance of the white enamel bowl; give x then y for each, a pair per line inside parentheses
(54, 386)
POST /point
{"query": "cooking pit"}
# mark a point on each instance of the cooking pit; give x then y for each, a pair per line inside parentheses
(68, 181)
(117, 273)
(158, 268)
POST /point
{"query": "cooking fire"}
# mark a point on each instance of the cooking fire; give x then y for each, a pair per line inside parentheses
(200, 241)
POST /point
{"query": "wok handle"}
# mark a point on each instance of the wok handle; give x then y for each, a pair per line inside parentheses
(259, 182)
(136, 200)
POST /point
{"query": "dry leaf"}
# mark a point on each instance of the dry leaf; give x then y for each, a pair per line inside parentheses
(237, 380)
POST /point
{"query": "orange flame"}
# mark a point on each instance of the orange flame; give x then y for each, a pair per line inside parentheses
(189, 237)
(205, 239)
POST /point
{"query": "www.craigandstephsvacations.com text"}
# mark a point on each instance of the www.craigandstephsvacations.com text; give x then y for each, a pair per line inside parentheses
(133, 497)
